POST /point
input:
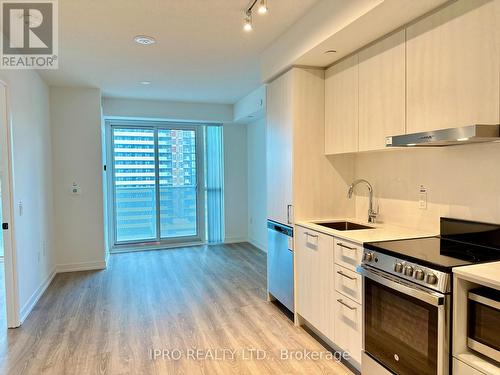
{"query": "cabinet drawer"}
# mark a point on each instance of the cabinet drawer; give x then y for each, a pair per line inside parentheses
(348, 283)
(348, 325)
(348, 254)
(460, 368)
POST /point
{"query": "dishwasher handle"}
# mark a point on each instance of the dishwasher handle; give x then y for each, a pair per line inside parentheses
(280, 228)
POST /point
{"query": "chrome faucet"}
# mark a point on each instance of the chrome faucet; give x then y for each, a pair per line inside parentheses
(372, 215)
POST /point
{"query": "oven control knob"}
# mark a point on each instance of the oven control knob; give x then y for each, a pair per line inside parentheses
(368, 257)
(408, 270)
(431, 279)
(398, 267)
(419, 275)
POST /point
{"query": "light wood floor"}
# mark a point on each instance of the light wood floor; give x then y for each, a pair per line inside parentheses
(106, 322)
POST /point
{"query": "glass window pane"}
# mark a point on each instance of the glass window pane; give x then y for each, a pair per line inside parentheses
(135, 185)
(178, 178)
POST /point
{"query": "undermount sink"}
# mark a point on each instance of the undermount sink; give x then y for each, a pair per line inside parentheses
(344, 225)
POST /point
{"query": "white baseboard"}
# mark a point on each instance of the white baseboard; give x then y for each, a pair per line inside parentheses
(235, 239)
(258, 245)
(85, 266)
(32, 301)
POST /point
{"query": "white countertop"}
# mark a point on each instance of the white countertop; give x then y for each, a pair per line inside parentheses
(381, 232)
(487, 274)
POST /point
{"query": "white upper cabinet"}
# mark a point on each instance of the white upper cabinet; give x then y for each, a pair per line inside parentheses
(279, 140)
(381, 91)
(341, 107)
(453, 67)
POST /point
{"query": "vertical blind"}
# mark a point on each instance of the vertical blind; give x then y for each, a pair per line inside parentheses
(214, 184)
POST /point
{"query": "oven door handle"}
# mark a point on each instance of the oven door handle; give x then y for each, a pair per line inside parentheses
(432, 298)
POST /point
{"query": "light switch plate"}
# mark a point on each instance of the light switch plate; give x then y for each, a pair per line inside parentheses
(422, 201)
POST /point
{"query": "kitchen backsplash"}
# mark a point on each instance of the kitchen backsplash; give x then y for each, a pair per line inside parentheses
(461, 181)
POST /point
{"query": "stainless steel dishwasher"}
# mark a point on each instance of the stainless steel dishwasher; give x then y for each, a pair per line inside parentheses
(280, 263)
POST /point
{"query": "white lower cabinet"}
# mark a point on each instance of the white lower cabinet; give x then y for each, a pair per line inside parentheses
(328, 290)
(348, 325)
(314, 260)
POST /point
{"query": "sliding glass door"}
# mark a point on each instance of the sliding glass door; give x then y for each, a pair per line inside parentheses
(156, 177)
(178, 183)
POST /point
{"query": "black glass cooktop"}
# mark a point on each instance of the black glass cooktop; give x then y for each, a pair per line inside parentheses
(461, 243)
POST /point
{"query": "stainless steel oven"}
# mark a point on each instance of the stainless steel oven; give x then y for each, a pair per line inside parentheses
(406, 326)
(483, 318)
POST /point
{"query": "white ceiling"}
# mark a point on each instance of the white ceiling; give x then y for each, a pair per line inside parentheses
(202, 54)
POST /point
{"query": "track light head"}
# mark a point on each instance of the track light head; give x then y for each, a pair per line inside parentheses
(263, 9)
(247, 25)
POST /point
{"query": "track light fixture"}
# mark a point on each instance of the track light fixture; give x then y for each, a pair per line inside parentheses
(247, 25)
(261, 9)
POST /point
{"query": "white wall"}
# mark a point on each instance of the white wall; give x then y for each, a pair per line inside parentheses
(29, 106)
(462, 182)
(166, 110)
(257, 191)
(235, 183)
(76, 142)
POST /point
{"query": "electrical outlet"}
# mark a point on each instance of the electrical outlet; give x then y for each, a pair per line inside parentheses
(422, 197)
(21, 208)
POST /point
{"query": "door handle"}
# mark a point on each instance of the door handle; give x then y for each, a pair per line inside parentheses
(346, 247)
(346, 305)
(288, 215)
(429, 297)
(346, 276)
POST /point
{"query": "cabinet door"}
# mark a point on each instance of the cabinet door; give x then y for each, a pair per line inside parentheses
(382, 91)
(279, 148)
(314, 263)
(453, 67)
(341, 107)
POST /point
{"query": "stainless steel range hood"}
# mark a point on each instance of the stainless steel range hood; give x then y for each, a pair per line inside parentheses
(447, 137)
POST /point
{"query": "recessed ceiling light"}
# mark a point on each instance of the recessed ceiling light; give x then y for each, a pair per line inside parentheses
(462, 139)
(145, 83)
(144, 40)
(331, 51)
